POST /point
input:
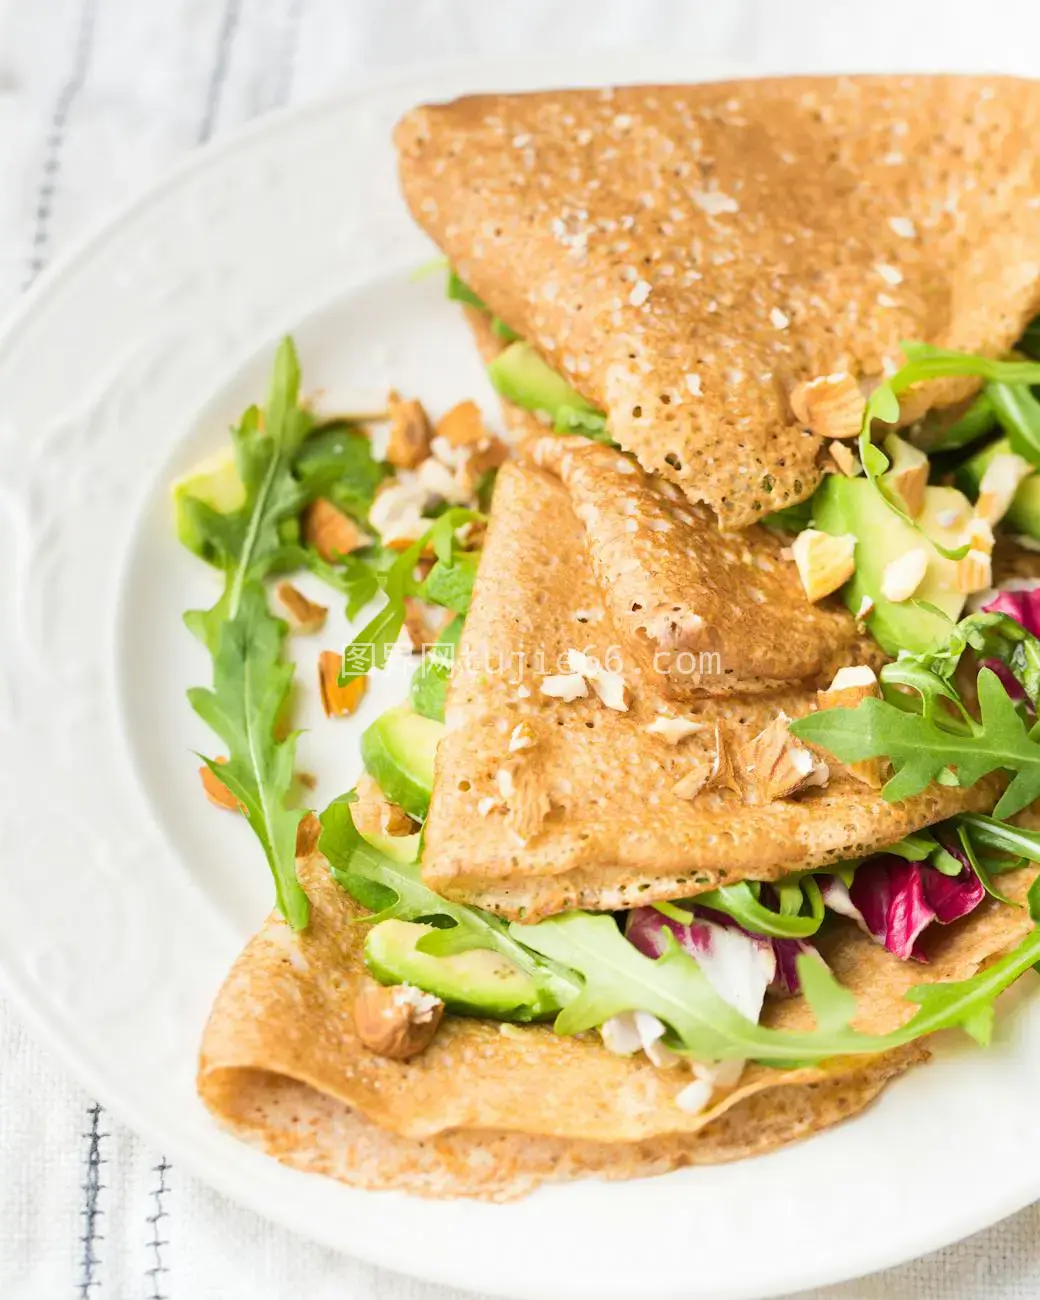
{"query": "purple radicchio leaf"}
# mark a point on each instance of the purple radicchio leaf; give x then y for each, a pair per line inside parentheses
(898, 900)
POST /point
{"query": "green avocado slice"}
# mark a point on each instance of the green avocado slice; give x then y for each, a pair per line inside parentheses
(523, 378)
(214, 483)
(853, 505)
(476, 982)
(1023, 514)
(398, 751)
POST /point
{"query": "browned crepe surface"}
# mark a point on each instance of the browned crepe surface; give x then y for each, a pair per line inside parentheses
(614, 834)
(490, 1113)
(736, 238)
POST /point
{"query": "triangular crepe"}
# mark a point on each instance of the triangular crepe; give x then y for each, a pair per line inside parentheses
(586, 814)
(492, 1111)
(686, 255)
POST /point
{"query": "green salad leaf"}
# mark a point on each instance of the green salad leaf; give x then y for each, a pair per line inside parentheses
(799, 913)
(251, 683)
(618, 978)
(429, 688)
(922, 749)
(341, 456)
(371, 648)
(459, 291)
(1018, 412)
(395, 890)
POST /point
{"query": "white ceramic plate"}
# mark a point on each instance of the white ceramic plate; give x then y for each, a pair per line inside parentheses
(125, 898)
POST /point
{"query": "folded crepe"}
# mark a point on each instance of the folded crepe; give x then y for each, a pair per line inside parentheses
(281, 1067)
(685, 255)
(586, 813)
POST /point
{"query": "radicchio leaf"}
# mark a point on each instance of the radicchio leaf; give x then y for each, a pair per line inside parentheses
(1018, 599)
(895, 900)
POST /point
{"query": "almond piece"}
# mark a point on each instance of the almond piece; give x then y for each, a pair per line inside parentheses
(1001, 480)
(979, 535)
(845, 459)
(774, 765)
(396, 1021)
(825, 563)
(336, 700)
(462, 426)
(831, 406)
(307, 835)
(907, 475)
(974, 572)
(374, 815)
(305, 616)
(718, 773)
(564, 686)
(903, 576)
(409, 441)
(424, 623)
(850, 687)
(332, 533)
(522, 737)
(479, 462)
(216, 791)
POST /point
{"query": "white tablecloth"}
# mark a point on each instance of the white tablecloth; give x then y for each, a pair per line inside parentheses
(97, 99)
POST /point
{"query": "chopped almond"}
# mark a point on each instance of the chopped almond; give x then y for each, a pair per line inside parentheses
(479, 462)
(305, 616)
(332, 533)
(979, 536)
(831, 406)
(463, 426)
(564, 686)
(522, 737)
(1002, 478)
(717, 774)
(673, 730)
(845, 459)
(866, 608)
(825, 563)
(374, 815)
(526, 800)
(850, 687)
(775, 765)
(903, 576)
(974, 572)
(907, 476)
(307, 834)
(398, 1021)
(409, 441)
(424, 623)
(336, 700)
(216, 791)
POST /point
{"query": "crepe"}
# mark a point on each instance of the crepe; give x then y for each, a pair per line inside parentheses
(686, 255)
(493, 1111)
(591, 819)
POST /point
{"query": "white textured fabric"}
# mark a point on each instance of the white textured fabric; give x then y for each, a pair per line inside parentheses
(97, 99)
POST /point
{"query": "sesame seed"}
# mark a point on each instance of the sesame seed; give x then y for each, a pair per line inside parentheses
(889, 273)
(903, 227)
(640, 293)
(780, 320)
(693, 383)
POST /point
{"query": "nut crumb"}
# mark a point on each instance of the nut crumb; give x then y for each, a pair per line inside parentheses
(338, 701)
(409, 441)
(216, 791)
(332, 533)
(305, 616)
(774, 765)
(831, 406)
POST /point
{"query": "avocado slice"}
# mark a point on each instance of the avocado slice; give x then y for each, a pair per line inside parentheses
(1023, 514)
(398, 750)
(477, 982)
(215, 483)
(853, 505)
(521, 376)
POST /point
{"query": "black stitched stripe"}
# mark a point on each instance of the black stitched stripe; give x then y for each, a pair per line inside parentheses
(63, 107)
(221, 63)
(92, 1211)
(157, 1273)
(289, 45)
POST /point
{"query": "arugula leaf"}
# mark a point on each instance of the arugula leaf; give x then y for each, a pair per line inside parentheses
(964, 835)
(371, 648)
(360, 576)
(791, 519)
(341, 456)
(920, 748)
(618, 978)
(742, 902)
(251, 683)
(357, 866)
(459, 291)
(429, 688)
(1029, 343)
(451, 585)
(1019, 414)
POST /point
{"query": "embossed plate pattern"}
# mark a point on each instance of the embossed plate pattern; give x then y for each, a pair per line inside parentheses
(125, 899)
